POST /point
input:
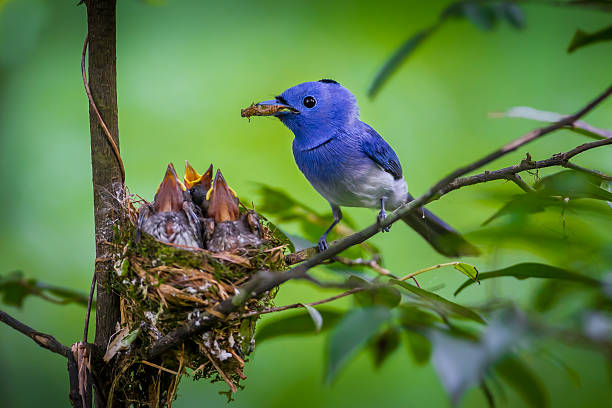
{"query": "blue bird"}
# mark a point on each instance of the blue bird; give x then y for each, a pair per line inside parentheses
(349, 163)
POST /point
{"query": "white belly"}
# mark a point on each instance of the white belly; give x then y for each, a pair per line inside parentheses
(365, 189)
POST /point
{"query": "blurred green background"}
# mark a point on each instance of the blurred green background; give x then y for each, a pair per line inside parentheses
(185, 68)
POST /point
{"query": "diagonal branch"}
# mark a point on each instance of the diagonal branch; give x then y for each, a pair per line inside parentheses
(266, 280)
(507, 173)
(42, 339)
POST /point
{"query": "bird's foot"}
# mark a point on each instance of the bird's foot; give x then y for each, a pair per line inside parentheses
(322, 243)
(381, 217)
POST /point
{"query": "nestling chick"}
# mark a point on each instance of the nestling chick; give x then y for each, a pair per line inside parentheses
(227, 229)
(171, 217)
(198, 185)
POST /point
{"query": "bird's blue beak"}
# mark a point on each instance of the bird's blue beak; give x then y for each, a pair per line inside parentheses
(273, 107)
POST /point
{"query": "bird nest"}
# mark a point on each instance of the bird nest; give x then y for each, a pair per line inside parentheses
(164, 285)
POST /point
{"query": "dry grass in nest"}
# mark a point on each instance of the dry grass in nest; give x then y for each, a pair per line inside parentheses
(161, 287)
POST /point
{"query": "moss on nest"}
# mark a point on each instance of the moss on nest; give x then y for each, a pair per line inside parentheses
(161, 287)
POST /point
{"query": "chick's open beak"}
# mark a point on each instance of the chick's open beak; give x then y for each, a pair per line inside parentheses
(169, 195)
(192, 178)
(268, 108)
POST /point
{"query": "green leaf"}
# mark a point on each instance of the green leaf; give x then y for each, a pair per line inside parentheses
(573, 184)
(418, 346)
(440, 304)
(571, 373)
(603, 5)
(382, 295)
(522, 379)
(299, 323)
(462, 363)
(533, 270)
(552, 292)
(525, 112)
(523, 204)
(582, 38)
(275, 201)
(317, 319)
(549, 193)
(398, 57)
(14, 288)
(351, 334)
(384, 345)
(468, 270)
(459, 363)
(607, 185)
(413, 317)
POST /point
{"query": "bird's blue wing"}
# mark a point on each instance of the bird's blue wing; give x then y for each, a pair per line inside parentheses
(377, 149)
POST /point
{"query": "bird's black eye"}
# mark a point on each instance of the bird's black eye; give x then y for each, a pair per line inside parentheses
(309, 101)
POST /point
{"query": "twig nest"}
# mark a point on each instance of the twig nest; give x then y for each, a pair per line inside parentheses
(165, 285)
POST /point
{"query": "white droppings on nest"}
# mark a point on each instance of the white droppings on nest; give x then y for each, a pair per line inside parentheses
(204, 287)
(125, 282)
(191, 290)
(231, 341)
(236, 291)
(221, 354)
(194, 314)
(155, 262)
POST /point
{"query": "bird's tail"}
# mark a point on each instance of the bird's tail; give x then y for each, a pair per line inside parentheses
(440, 235)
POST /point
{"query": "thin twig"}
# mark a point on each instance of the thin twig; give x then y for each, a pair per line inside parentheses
(266, 280)
(42, 339)
(561, 159)
(178, 376)
(89, 301)
(430, 268)
(111, 141)
(219, 370)
(158, 367)
(516, 179)
(372, 263)
(297, 305)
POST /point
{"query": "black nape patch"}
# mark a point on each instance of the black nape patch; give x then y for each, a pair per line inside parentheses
(329, 81)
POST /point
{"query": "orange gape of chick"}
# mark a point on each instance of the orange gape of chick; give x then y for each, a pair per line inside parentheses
(192, 178)
(222, 201)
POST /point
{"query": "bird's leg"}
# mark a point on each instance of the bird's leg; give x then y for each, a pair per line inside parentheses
(383, 214)
(337, 217)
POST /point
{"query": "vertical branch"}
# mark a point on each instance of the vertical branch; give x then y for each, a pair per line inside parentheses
(106, 172)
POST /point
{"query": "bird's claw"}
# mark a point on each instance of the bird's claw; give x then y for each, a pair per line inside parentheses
(381, 217)
(322, 244)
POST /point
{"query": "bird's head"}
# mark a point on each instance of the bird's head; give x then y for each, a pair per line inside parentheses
(223, 200)
(169, 194)
(313, 110)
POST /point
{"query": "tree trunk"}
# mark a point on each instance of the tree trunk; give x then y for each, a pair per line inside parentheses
(106, 173)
